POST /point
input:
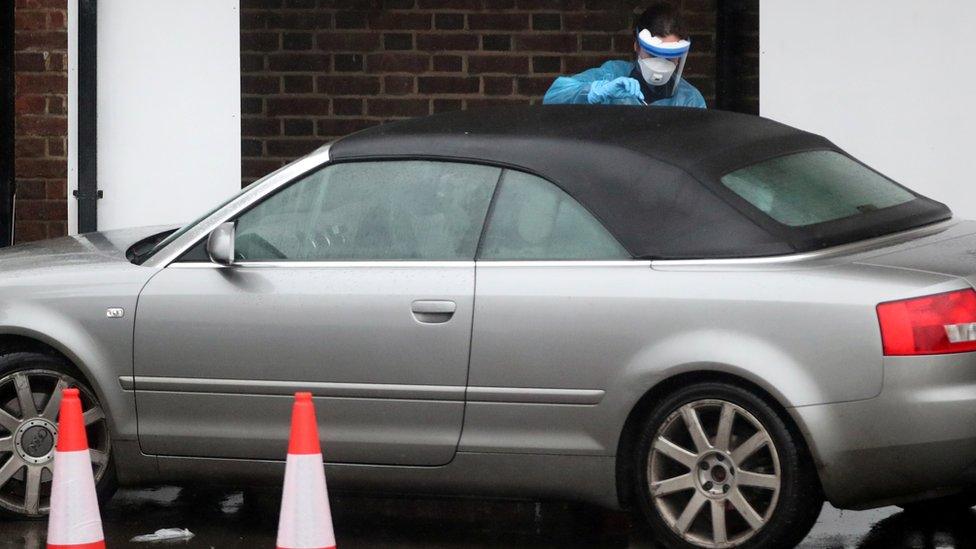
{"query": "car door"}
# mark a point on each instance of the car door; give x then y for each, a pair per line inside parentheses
(553, 314)
(354, 282)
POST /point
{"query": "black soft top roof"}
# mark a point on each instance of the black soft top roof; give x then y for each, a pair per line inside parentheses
(650, 175)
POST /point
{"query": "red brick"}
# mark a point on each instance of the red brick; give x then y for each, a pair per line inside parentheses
(252, 84)
(497, 63)
(44, 40)
(579, 64)
(547, 42)
(31, 189)
(292, 147)
(41, 83)
(448, 63)
(56, 146)
(301, 126)
(58, 20)
(394, 20)
(260, 127)
(498, 21)
(533, 85)
(56, 189)
(29, 231)
(42, 167)
(447, 105)
(398, 107)
(42, 4)
(34, 147)
(348, 41)
(42, 125)
(346, 106)
(397, 62)
(398, 85)
(300, 20)
(260, 41)
(444, 42)
(42, 210)
(452, 4)
(348, 85)
(57, 62)
(332, 127)
(498, 85)
(258, 167)
(596, 21)
(30, 104)
(298, 83)
(30, 61)
(299, 62)
(297, 106)
(495, 102)
(25, 20)
(57, 104)
(563, 5)
(448, 84)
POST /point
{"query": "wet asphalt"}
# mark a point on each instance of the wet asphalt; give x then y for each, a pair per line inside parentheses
(221, 517)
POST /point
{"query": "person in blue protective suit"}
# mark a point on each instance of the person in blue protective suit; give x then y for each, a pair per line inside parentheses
(654, 78)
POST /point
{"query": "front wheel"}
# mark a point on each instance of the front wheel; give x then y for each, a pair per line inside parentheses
(30, 398)
(718, 467)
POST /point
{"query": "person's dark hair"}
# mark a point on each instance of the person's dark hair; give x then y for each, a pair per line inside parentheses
(662, 19)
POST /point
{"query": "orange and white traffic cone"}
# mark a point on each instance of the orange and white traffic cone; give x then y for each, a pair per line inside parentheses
(74, 522)
(306, 520)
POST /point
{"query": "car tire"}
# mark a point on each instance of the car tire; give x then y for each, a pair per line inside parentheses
(26, 460)
(940, 506)
(752, 461)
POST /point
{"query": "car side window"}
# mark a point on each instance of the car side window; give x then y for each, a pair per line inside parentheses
(395, 210)
(534, 219)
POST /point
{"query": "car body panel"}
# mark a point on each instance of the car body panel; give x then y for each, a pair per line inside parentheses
(337, 326)
(57, 292)
(917, 437)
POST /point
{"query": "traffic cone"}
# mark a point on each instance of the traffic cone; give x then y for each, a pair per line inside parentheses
(74, 522)
(306, 520)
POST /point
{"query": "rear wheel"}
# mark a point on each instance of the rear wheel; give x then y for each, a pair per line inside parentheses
(30, 396)
(718, 467)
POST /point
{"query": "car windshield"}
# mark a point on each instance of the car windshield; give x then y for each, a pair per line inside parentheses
(815, 187)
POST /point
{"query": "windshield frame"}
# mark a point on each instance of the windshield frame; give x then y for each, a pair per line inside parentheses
(189, 235)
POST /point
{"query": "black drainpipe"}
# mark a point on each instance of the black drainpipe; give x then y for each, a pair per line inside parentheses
(8, 183)
(733, 24)
(87, 193)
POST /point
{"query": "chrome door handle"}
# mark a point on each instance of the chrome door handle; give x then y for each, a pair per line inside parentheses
(432, 311)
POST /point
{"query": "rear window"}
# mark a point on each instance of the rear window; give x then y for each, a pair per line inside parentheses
(815, 187)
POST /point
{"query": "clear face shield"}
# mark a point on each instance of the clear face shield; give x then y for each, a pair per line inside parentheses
(661, 63)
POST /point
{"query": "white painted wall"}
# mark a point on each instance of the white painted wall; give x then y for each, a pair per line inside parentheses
(169, 136)
(890, 81)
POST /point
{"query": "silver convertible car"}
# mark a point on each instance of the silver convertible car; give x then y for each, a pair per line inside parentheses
(714, 319)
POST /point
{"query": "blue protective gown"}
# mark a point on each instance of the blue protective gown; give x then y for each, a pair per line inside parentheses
(573, 89)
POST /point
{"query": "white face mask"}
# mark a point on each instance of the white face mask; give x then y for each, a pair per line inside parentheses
(656, 71)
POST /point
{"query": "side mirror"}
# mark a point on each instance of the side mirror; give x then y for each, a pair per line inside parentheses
(220, 244)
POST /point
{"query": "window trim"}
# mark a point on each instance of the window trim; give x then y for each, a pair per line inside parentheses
(320, 159)
(326, 165)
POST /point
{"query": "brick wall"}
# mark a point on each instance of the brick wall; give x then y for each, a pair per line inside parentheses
(41, 124)
(313, 70)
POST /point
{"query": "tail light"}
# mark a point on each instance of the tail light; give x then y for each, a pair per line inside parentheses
(930, 325)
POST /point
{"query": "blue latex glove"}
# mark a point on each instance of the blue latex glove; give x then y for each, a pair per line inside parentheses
(624, 87)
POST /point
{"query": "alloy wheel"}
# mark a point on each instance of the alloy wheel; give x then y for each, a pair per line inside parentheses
(713, 473)
(29, 404)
